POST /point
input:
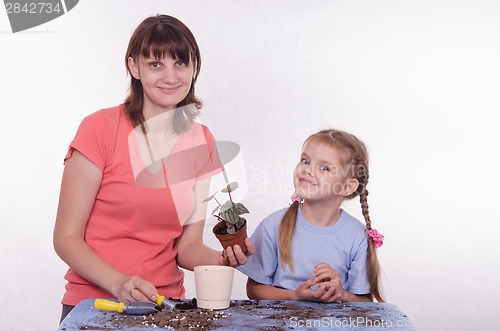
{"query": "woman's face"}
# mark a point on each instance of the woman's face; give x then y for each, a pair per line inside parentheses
(165, 82)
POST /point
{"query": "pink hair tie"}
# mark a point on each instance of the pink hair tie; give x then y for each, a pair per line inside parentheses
(378, 239)
(295, 197)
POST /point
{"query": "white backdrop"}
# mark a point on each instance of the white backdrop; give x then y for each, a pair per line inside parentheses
(418, 81)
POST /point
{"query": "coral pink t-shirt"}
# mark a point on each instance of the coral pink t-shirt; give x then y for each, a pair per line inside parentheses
(137, 214)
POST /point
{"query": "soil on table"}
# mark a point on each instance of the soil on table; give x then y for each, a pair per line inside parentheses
(273, 314)
(299, 312)
(185, 316)
(182, 320)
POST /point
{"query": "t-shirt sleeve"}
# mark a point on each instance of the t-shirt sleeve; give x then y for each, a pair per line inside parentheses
(210, 163)
(357, 275)
(92, 140)
(261, 266)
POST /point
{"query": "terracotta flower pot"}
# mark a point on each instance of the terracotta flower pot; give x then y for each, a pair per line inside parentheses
(227, 240)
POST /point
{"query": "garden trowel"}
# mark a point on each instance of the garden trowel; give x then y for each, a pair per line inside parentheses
(172, 305)
(165, 303)
(133, 308)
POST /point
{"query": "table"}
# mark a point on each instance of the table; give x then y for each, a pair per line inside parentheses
(259, 315)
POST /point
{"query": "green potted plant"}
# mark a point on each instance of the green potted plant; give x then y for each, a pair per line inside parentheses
(232, 228)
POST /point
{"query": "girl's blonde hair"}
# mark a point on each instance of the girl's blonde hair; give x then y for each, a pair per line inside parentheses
(354, 158)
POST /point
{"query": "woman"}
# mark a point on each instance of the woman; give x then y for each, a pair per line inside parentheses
(130, 210)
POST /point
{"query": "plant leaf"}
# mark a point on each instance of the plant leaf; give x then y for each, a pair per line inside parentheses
(241, 208)
(215, 210)
(210, 197)
(231, 216)
(230, 229)
(240, 223)
(231, 187)
(226, 206)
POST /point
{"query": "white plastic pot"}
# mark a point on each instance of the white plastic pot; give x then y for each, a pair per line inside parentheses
(213, 286)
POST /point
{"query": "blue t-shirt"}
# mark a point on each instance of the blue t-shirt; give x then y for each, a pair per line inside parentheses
(343, 246)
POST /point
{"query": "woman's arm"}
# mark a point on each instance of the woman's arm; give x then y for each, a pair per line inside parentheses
(191, 251)
(80, 183)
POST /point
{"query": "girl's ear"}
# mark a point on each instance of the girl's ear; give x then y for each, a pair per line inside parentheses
(350, 186)
(134, 68)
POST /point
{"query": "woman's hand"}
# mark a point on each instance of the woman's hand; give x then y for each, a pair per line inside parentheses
(329, 279)
(134, 288)
(234, 256)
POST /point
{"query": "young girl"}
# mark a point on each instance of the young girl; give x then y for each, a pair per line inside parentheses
(314, 250)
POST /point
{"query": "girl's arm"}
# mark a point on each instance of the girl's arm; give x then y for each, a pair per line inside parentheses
(191, 251)
(348, 296)
(80, 182)
(330, 279)
(258, 291)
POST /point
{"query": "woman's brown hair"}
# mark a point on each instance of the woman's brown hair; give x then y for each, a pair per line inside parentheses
(354, 158)
(159, 36)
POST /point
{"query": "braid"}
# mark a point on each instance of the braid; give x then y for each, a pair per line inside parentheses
(355, 160)
(363, 199)
(373, 265)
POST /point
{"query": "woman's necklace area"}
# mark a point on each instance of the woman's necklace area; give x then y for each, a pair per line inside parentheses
(152, 167)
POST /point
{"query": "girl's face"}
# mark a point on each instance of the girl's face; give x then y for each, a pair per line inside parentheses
(319, 175)
(165, 82)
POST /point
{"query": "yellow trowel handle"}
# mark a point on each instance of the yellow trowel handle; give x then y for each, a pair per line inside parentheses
(159, 299)
(165, 303)
(109, 305)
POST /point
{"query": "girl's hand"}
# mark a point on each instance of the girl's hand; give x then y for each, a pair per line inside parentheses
(234, 256)
(328, 278)
(134, 289)
(305, 293)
